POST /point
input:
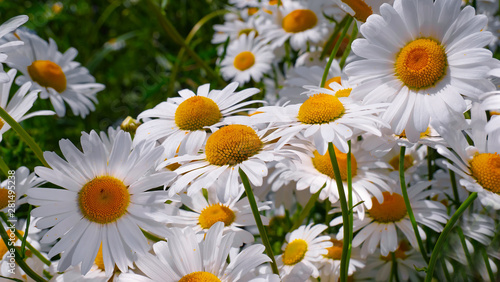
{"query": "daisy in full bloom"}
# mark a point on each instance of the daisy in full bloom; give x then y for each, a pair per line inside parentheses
(227, 150)
(477, 164)
(104, 201)
(203, 213)
(421, 56)
(19, 104)
(7, 27)
(304, 248)
(383, 220)
(246, 58)
(183, 259)
(19, 185)
(56, 75)
(326, 116)
(179, 123)
(299, 22)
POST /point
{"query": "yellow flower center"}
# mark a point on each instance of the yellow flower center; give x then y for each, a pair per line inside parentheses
(99, 260)
(426, 133)
(197, 112)
(294, 252)
(332, 80)
(2, 123)
(48, 74)
(485, 169)
(421, 63)
(4, 197)
(361, 9)
(343, 92)
(3, 247)
(244, 60)
(199, 276)
(232, 145)
(392, 209)
(215, 213)
(408, 162)
(299, 20)
(247, 32)
(252, 10)
(324, 165)
(104, 199)
(335, 251)
(320, 108)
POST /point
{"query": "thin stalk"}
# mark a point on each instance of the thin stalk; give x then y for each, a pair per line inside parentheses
(4, 167)
(334, 51)
(394, 268)
(32, 274)
(487, 263)
(169, 28)
(307, 209)
(446, 272)
(464, 245)
(258, 220)
(25, 237)
(344, 261)
(349, 198)
(454, 187)
(24, 136)
(332, 37)
(407, 202)
(442, 238)
(354, 34)
(430, 170)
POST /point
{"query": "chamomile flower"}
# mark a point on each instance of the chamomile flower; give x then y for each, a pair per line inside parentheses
(183, 259)
(180, 123)
(56, 75)
(246, 58)
(303, 249)
(326, 116)
(421, 56)
(383, 220)
(330, 263)
(104, 200)
(7, 27)
(19, 104)
(203, 213)
(19, 184)
(232, 30)
(74, 273)
(299, 22)
(227, 150)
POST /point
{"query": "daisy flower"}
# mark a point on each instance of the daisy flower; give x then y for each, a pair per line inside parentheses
(421, 56)
(55, 74)
(203, 213)
(7, 27)
(475, 164)
(302, 250)
(227, 150)
(299, 22)
(104, 200)
(22, 182)
(326, 116)
(383, 220)
(183, 259)
(246, 58)
(330, 263)
(19, 104)
(233, 29)
(74, 273)
(179, 123)
(361, 9)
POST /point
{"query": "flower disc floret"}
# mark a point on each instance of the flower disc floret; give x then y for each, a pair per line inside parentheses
(199, 276)
(244, 60)
(421, 63)
(299, 20)
(485, 169)
(324, 165)
(197, 112)
(104, 199)
(48, 74)
(320, 108)
(215, 213)
(294, 252)
(335, 251)
(361, 10)
(392, 209)
(232, 144)
(4, 198)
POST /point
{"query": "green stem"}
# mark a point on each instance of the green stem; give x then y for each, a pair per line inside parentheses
(25, 237)
(334, 51)
(258, 220)
(488, 266)
(347, 51)
(454, 187)
(332, 37)
(442, 238)
(24, 136)
(349, 198)
(407, 202)
(446, 272)
(464, 245)
(430, 169)
(344, 261)
(17, 256)
(307, 209)
(4, 167)
(394, 268)
(169, 28)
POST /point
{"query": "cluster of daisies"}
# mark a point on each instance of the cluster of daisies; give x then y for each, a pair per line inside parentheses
(377, 164)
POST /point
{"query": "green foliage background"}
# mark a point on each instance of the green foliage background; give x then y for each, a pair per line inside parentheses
(137, 77)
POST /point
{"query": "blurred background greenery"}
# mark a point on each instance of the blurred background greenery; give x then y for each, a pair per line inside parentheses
(124, 47)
